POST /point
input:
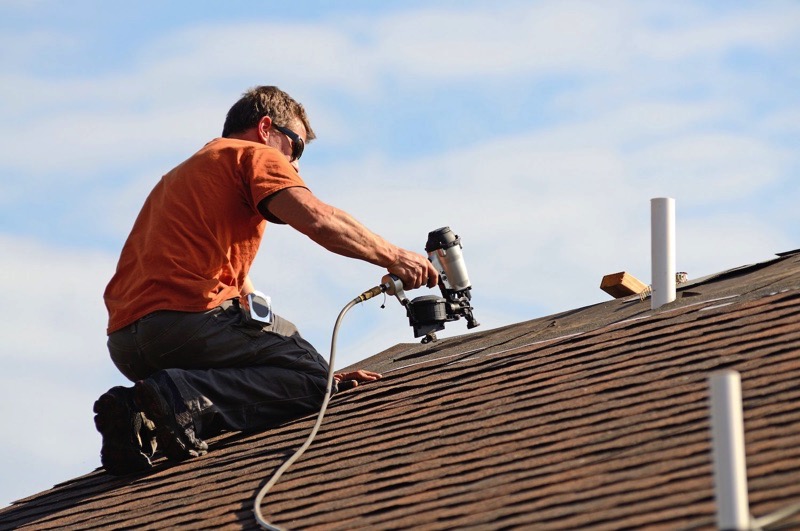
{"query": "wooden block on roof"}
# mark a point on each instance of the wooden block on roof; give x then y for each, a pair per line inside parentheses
(622, 284)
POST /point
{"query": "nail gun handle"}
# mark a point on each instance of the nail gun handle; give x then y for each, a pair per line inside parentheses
(392, 285)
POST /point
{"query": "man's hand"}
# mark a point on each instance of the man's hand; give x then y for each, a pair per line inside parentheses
(348, 380)
(414, 270)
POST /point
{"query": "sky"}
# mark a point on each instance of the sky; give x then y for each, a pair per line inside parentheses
(537, 130)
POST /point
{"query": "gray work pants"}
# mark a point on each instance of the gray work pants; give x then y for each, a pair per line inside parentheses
(231, 373)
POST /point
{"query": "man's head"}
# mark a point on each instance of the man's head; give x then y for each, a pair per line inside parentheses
(262, 101)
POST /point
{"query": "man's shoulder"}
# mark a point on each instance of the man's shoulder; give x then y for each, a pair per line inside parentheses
(236, 144)
(239, 151)
(250, 162)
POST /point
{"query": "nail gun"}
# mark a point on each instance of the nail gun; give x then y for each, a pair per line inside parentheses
(428, 314)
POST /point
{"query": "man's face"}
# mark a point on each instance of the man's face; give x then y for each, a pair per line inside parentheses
(282, 140)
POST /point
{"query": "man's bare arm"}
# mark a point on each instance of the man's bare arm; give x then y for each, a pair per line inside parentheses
(339, 232)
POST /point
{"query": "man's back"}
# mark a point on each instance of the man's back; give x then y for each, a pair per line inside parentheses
(198, 231)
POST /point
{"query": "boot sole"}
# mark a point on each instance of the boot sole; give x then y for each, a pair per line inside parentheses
(119, 453)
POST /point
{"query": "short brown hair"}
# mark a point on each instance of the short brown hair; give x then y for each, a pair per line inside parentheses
(265, 101)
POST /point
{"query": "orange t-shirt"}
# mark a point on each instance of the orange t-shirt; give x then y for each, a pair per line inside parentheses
(198, 232)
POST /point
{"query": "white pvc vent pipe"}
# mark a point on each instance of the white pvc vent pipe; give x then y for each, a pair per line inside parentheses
(727, 439)
(662, 250)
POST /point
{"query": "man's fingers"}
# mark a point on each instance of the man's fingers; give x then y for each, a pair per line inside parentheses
(357, 376)
(432, 280)
(348, 380)
(347, 384)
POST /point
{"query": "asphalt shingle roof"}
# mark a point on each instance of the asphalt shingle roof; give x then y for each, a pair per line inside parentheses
(596, 418)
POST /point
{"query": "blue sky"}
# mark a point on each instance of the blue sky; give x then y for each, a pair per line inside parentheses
(539, 131)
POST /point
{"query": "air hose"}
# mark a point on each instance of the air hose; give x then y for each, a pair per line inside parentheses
(377, 290)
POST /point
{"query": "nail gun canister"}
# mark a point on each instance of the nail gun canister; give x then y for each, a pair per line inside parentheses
(444, 251)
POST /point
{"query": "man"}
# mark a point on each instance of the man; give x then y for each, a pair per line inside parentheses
(176, 322)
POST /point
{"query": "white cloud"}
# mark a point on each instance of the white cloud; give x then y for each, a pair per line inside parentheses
(181, 82)
(526, 38)
(299, 54)
(694, 31)
(54, 362)
(86, 146)
(724, 241)
(783, 122)
(58, 318)
(709, 168)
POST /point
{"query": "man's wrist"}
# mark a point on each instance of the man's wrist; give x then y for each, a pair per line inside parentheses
(392, 260)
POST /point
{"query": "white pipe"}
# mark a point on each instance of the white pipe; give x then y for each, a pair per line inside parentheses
(662, 250)
(727, 439)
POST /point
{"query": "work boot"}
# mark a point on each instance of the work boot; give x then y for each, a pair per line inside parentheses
(176, 437)
(122, 427)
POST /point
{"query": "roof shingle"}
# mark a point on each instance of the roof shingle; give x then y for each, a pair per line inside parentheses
(595, 418)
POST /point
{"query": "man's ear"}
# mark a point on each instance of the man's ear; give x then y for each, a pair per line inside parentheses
(263, 127)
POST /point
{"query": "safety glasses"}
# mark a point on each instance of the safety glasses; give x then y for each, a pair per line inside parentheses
(297, 143)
